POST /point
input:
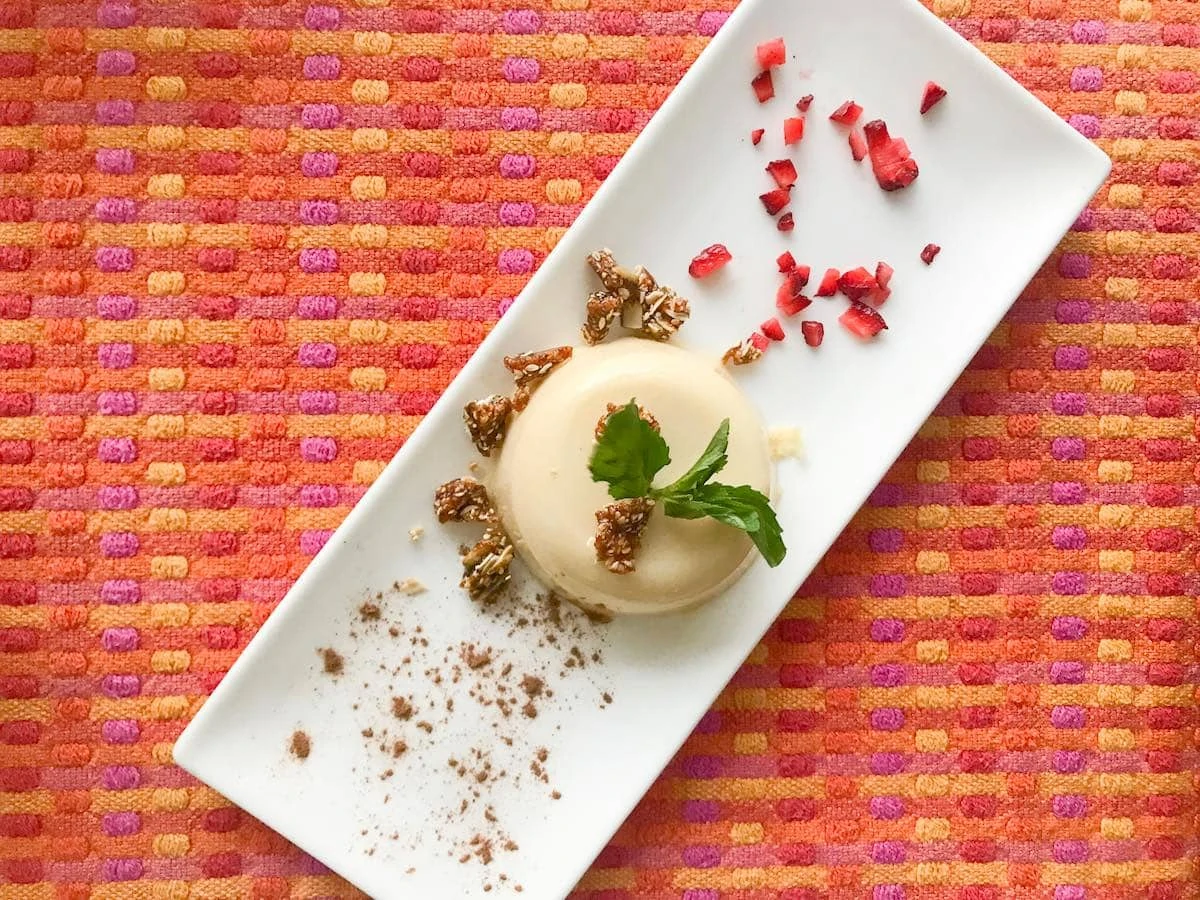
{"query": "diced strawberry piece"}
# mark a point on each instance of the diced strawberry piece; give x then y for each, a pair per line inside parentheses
(709, 260)
(772, 329)
(858, 145)
(890, 160)
(771, 53)
(877, 296)
(856, 283)
(789, 298)
(829, 283)
(756, 136)
(776, 200)
(785, 261)
(759, 342)
(764, 87)
(883, 274)
(862, 321)
(847, 113)
(793, 129)
(804, 102)
(814, 332)
(801, 274)
(934, 92)
(783, 171)
(786, 222)
(930, 251)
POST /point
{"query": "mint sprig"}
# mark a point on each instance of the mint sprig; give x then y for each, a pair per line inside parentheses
(629, 453)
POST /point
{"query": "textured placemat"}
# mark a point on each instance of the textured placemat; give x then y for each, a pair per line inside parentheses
(243, 248)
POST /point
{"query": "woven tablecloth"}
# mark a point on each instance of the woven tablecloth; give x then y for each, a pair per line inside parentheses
(244, 246)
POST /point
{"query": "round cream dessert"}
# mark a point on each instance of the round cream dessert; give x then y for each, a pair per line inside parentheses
(547, 499)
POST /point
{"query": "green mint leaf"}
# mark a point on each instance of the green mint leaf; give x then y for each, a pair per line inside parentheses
(711, 461)
(628, 455)
(740, 507)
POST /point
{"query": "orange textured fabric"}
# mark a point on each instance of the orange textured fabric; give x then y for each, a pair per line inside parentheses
(229, 229)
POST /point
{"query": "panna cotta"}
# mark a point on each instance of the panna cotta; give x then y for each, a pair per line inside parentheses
(547, 501)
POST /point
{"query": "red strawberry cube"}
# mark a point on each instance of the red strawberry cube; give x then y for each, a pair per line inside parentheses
(756, 136)
(783, 171)
(847, 113)
(862, 321)
(804, 102)
(883, 274)
(829, 283)
(858, 145)
(930, 251)
(771, 53)
(814, 332)
(709, 260)
(786, 222)
(772, 329)
(856, 283)
(776, 200)
(793, 129)
(785, 261)
(891, 161)
(764, 87)
(933, 95)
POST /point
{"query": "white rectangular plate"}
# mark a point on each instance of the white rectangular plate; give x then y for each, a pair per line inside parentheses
(1002, 178)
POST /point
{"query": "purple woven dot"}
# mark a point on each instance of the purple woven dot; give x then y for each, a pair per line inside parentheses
(322, 68)
(121, 824)
(116, 450)
(120, 731)
(115, 112)
(120, 778)
(318, 449)
(115, 306)
(1069, 404)
(318, 495)
(1069, 537)
(1068, 628)
(885, 540)
(1070, 892)
(521, 70)
(504, 305)
(1067, 717)
(121, 686)
(116, 15)
(517, 165)
(1070, 851)
(119, 545)
(1068, 448)
(317, 355)
(888, 852)
(1087, 78)
(114, 161)
(887, 763)
(887, 892)
(320, 115)
(710, 23)
(321, 307)
(702, 857)
(1069, 806)
(115, 62)
(888, 808)
(1069, 584)
(1088, 126)
(888, 631)
(1075, 265)
(1073, 312)
(888, 585)
(700, 894)
(120, 592)
(1071, 358)
(114, 259)
(1089, 32)
(116, 210)
(887, 718)
(120, 640)
(311, 542)
(115, 356)
(322, 18)
(887, 675)
(701, 811)
(1067, 672)
(702, 766)
(520, 21)
(117, 496)
(515, 262)
(319, 164)
(318, 403)
(1067, 762)
(116, 403)
(710, 723)
(318, 259)
(1085, 221)
(517, 213)
(518, 118)
(1067, 492)
(123, 869)
(887, 494)
(318, 212)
